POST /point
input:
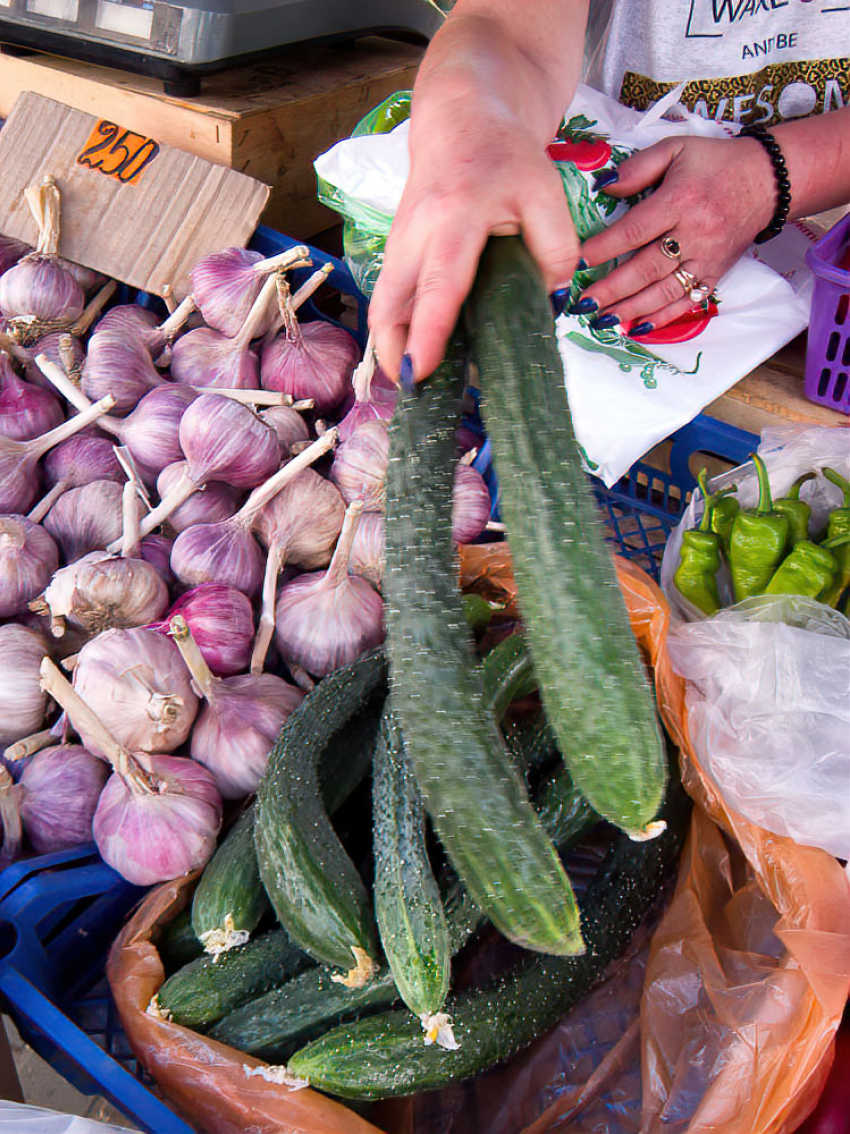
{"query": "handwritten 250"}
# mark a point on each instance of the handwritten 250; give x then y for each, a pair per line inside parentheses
(117, 152)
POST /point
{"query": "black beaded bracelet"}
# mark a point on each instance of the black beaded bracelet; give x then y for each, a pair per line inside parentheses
(783, 183)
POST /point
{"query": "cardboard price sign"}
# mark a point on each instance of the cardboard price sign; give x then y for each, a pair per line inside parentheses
(136, 210)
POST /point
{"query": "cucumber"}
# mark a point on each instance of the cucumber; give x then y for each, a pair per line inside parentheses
(229, 900)
(314, 887)
(473, 792)
(592, 680)
(347, 758)
(273, 1025)
(177, 944)
(507, 674)
(408, 909)
(209, 988)
(384, 1055)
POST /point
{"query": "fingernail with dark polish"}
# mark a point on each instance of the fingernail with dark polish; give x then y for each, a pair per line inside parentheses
(605, 321)
(583, 265)
(584, 306)
(641, 329)
(605, 177)
(405, 373)
(559, 300)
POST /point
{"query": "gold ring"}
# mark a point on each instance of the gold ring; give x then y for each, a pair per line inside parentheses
(695, 289)
(671, 247)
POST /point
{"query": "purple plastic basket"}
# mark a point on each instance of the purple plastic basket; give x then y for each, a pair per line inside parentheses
(828, 351)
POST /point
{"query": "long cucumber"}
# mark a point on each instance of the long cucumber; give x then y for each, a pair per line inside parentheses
(317, 892)
(383, 1055)
(592, 680)
(475, 796)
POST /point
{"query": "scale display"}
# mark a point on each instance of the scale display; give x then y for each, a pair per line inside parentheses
(173, 41)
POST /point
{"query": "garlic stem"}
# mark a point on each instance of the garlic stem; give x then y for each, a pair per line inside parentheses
(179, 494)
(8, 344)
(250, 397)
(256, 315)
(338, 566)
(201, 673)
(361, 379)
(311, 284)
(57, 378)
(265, 630)
(468, 457)
(130, 515)
(174, 323)
(494, 526)
(301, 677)
(29, 745)
(68, 359)
(46, 441)
(167, 297)
(262, 495)
(40, 510)
(288, 303)
(93, 308)
(128, 464)
(297, 257)
(84, 720)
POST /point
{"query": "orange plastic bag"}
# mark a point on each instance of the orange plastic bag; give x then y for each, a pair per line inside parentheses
(723, 1023)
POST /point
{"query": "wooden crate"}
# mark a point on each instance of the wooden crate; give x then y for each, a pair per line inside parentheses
(270, 120)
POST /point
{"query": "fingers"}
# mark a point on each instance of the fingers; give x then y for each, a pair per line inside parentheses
(646, 267)
(647, 221)
(644, 169)
(649, 301)
(548, 229)
(669, 314)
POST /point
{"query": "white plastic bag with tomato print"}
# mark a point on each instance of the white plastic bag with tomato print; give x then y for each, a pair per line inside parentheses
(625, 395)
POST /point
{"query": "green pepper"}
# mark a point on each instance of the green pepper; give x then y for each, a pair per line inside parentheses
(807, 570)
(700, 559)
(797, 510)
(726, 508)
(838, 525)
(758, 541)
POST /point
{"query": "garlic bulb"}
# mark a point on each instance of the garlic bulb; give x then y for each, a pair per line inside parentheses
(121, 366)
(76, 462)
(470, 504)
(215, 502)
(290, 427)
(158, 816)
(101, 591)
(10, 252)
(135, 681)
(303, 521)
(207, 358)
(225, 284)
(131, 320)
(360, 466)
(88, 518)
(227, 552)
(156, 550)
(222, 623)
(10, 819)
(25, 410)
(237, 728)
(28, 557)
(62, 349)
(60, 788)
(368, 549)
(22, 704)
(151, 430)
(375, 396)
(329, 618)
(313, 360)
(39, 289)
(19, 459)
(223, 440)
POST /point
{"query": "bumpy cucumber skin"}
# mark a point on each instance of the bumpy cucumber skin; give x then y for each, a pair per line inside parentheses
(207, 989)
(384, 1055)
(314, 887)
(230, 885)
(592, 681)
(471, 788)
(273, 1025)
(408, 909)
(177, 944)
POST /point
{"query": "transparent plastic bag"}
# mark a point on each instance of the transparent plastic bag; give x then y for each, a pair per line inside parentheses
(731, 1030)
(18, 1118)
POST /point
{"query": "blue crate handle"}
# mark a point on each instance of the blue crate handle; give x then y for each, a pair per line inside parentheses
(40, 1016)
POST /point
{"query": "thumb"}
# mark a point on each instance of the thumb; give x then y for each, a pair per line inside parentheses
(643, 169)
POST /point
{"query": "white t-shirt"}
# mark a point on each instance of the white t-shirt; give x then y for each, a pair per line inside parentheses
(758, 61)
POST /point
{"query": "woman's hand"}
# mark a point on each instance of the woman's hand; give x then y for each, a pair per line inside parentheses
(490, 93)
(712, 196)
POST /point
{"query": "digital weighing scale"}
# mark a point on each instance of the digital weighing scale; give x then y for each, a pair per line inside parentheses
(178, 42)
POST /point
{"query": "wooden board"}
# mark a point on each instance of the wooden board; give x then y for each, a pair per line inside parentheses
(147, 232)
(269, 120)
